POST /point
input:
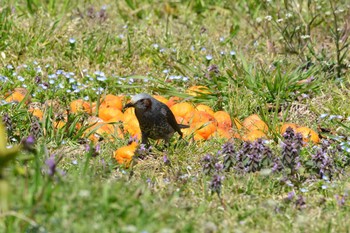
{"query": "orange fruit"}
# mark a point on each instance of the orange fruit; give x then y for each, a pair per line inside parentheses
(161, 99)
(181, 120)
(124, 154)
(205, 129)
(285, 126)
(18, 95)
(223, 119)
(112, 101)
(173, 100)
(106, 114)
(205, 108)
(198, 90)
(59, 124)
(181, 109)
(79, 105)
(199, 116)
(37, 113)
(132, 127)
(253, 122)
(222, 133)
(308, 134)
(254, 135)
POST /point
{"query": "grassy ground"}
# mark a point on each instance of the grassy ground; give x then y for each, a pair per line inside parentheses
(251, 54)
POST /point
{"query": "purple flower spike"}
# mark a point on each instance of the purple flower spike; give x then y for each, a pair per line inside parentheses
(216, 183)
(28, 143)
(51, 165)
(166, 160)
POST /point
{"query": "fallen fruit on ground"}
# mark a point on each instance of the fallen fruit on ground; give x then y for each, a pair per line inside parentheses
(124, 154)
(308, 134)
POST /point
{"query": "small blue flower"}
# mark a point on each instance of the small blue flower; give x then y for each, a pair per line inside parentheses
(51, 76)
(303, 190)
(324, 115)
(101, 78)
(58, 72)
(232, 53)
(20, 78)
(10, 67)
(38, 69)
(72, 40)
(209, 57)
(99, 73)
(222, 39)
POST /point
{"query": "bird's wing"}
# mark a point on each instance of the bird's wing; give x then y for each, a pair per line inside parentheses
(170, 118)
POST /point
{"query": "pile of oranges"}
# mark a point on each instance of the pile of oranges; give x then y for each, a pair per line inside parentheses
(107, 119)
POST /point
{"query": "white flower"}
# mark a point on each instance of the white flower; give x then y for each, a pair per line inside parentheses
(258, 20)
(209, 57)
(268, 17)
(289, 15)
(304, 37)
(71, 40)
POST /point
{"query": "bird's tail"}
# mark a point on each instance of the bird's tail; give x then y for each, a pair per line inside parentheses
(181, 126)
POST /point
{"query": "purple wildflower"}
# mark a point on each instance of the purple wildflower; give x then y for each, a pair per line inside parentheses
(51, 165)
(300, 202)
(166, 160)
(142, 151)
(291, 149)
(341, 199)
(28, 143)
(216, 183)
(229, 155)
(208, 164)
(8, 122)
(254, 156)
(323, 163)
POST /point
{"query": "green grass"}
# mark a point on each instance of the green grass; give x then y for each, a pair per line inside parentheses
(251, 62)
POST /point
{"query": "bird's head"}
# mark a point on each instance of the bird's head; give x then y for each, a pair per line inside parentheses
(140, 102)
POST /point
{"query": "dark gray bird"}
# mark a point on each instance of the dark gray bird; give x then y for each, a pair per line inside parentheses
(155, 118)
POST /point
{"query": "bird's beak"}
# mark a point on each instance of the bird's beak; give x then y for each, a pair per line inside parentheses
(128, 105)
